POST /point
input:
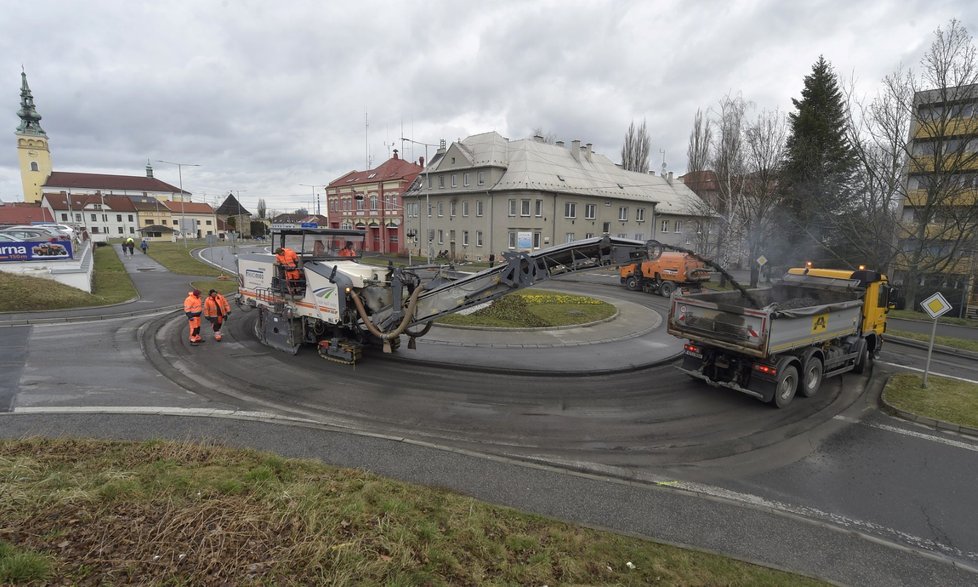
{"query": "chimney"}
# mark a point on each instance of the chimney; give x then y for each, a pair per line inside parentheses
(669, 178)
(588, 152)
(538, 138)
(421, 162)
(560, 143)
(395, 153)
(576, 150)
(441, 146)
(149, 169)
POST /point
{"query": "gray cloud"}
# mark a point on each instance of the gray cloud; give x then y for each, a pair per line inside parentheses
(269, 96)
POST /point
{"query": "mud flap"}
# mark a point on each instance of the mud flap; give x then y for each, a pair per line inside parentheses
(278, 332)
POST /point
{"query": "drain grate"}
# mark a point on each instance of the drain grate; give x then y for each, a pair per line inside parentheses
(145, 269)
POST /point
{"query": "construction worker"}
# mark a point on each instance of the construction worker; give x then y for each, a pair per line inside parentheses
(289, 262)
(192, 308)
(216, 310)
(348, 251)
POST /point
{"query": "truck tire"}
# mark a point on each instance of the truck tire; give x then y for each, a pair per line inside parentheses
(863, 361)
(787, 384)
(666, 289)
(633, 283)
(811, 380)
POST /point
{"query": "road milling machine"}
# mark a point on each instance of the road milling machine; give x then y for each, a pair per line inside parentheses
(341, 304)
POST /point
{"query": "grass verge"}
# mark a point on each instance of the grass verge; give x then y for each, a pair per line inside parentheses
(535, 310)
(176, 257)
(19, 566)
(957, 343)
(914, 315)
(111, 285)
(190, 514)
(944, 399)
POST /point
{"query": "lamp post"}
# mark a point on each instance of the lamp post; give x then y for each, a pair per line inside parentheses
(427, 196)
(183, 210)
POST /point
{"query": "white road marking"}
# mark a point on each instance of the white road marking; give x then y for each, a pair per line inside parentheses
(837, 519)
(921, 371)
(905, 432)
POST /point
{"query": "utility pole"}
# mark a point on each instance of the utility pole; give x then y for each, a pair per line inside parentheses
(183, 209)
(427, 196)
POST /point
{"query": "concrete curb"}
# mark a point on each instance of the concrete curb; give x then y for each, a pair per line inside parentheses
(923, 420)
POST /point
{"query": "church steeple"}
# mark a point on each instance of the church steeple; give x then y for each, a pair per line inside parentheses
(30, 120)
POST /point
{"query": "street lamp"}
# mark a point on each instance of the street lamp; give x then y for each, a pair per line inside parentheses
(427, 195)
(315, 198)
(183, 211)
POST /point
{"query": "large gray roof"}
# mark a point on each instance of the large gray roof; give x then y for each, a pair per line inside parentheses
(534, 165)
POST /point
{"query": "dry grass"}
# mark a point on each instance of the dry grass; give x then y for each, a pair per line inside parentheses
(944, 399)
(185, 514)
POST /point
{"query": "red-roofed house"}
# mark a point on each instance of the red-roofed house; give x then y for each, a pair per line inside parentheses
(103, 216)
(192, 219)
(371, 200)
(23, 213)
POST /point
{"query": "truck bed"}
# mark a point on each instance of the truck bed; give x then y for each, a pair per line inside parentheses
(769, 321)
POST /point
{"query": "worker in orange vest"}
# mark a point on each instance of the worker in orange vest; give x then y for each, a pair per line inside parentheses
(192, 308)
(216, 310)
(348, 251)
(289, 261)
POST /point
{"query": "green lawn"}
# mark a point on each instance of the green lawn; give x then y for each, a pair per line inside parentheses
(176, 257)
(958, 343)
(944, 399)
(111, 285)
(163, 513)
(535, 310)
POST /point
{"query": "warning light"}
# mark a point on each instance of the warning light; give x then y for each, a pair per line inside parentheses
(808, 264)
(862, 267)
(766, 369)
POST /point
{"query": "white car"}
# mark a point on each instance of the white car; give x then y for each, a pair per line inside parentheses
(63, 228)
(50, 229)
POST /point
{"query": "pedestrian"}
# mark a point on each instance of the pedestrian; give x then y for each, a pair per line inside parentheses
(492, 260)
(216, 310)
(192, 308)
(144, 245)
(129, 245)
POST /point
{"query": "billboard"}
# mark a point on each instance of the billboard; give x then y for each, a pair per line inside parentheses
(35, 251)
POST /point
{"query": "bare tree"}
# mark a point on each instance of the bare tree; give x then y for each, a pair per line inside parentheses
(938, 227)
(765, 142)
(635, 152)
(698, 151)
(548, 137)
(262, 209)
(728, 161)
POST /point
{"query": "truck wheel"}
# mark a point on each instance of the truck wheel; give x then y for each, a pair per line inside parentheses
(784, 392)
(633, 283)
(812, 380)
(862, 362)
(667, 288)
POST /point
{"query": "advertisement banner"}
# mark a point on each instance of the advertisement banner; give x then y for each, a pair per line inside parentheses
(35, 251)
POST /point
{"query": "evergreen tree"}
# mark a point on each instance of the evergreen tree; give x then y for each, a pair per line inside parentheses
(819, 167)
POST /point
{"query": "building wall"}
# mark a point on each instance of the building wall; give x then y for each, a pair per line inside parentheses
(32, 151)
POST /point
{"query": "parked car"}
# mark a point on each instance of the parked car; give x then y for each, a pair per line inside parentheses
(29, 235)
(62, 228)
(50, 229)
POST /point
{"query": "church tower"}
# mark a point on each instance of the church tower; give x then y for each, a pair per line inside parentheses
(32, 145)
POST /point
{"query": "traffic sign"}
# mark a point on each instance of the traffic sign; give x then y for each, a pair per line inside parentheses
(762, 260)
(308, 225)
(936, 306)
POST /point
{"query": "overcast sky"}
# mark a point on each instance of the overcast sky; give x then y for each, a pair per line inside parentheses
(266, 96)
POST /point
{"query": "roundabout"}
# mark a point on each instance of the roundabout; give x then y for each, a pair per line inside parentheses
(605, 395)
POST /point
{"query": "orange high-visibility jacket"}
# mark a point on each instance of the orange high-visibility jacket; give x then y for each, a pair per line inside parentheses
(216, 305)
(287, 258)
(192, 305)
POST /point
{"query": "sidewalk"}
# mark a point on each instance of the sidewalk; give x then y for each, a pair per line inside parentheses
(158, 290)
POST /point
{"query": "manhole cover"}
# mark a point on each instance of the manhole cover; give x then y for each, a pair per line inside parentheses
(145, 269)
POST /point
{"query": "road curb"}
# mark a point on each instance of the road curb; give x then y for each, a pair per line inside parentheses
(923, 420)
(937, 347)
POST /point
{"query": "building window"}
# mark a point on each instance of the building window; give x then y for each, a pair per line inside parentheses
(512, 239)
(639, 214)
(639, 236)
(118, 217)
(359, 204)
(441, 236)
(482, 178)
(133, 230)
(208, 223)
(465, 180)
(34, 166)
(536, 240)
(465, 238)
(570, 210)
(478, 238)
(431, 235)
(451, 237)
(539, 208)
(130, 218)
(105, 218)
(441, 210)
(64, 217)
(94, 230)
(623, 213)
(429, 209)
(94, 217)
(524, 207)
(373, 202)
(175, 222)
(149, 222)
(121, 230)
(590, 211)
(569, 237)
(664, 227)
(441, 181)
(677, 226)
(78, 217)
(512, 207)
(452, 209)
(465, 208)
(605, 227)
(588, 235)
(478, 208)
(454, 180)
